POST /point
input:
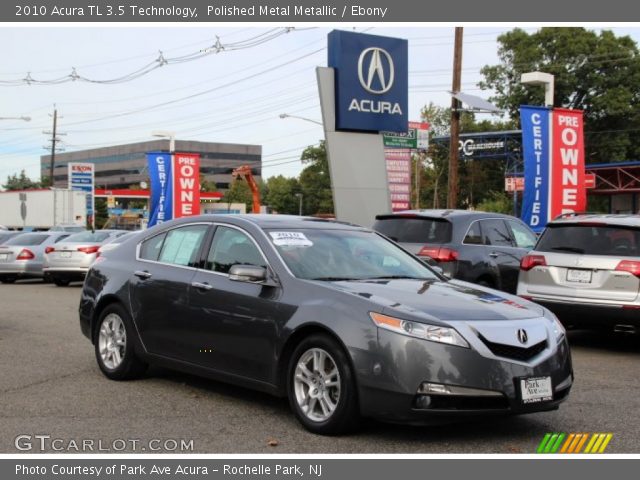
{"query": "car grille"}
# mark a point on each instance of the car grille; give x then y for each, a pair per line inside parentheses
(515, 353)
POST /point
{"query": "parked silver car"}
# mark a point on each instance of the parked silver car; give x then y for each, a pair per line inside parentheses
(70, 260)
(586, 269)
(22, 256)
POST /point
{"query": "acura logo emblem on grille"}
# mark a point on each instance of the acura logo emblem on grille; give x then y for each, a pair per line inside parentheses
(522, 336)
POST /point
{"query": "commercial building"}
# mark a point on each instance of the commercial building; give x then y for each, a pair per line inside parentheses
(122, 166)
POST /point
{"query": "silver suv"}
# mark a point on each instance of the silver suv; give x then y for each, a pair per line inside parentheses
(586, 269)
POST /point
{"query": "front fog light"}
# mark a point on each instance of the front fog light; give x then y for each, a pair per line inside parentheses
(424, 331)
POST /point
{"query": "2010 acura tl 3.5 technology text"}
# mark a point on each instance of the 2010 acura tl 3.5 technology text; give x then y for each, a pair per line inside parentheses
(336, 317)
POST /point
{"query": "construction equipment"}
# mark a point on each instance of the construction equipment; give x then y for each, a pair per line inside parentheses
(244, 171)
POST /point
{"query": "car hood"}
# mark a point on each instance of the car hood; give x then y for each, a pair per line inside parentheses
(448, 301)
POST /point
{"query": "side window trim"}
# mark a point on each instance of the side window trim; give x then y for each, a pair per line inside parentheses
(479, 222)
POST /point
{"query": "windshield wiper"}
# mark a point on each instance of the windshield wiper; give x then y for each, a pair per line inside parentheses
(397, 277)
(569, 249)
(336, 279)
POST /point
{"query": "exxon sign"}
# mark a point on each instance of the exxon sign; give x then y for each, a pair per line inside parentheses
(372, 84)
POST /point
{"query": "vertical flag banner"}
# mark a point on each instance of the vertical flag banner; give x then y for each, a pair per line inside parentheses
(535, 149)
(161, 179)
(186, 184)
(568, 190)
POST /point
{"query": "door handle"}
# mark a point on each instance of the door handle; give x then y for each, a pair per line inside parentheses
(142, 274)
(494, 255)
(201, 286)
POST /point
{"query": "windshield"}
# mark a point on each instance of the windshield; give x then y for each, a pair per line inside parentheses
(590, 239)
(90, 237)
(345, 255)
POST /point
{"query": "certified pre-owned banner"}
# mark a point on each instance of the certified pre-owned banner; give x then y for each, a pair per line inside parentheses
(161, 179)
(186, 185)
(553, 150)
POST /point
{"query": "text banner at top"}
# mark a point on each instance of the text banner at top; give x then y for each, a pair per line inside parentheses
(348, 11)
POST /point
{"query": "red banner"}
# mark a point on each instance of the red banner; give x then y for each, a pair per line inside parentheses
(186, 184)
(567, 192)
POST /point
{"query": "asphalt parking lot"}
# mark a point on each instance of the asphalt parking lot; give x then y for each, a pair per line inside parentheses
(50, 385)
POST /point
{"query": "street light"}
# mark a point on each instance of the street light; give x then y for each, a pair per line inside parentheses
(286, 115)
(540, 78)
(299, 195)
(26, 119)
(166, 134)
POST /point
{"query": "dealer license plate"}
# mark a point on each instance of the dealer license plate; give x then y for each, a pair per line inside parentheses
(536, 389)
(579, 276)
(4, 257)
(65, 254)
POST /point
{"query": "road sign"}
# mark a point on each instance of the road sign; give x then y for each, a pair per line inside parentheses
(416, 137)
(590, 180)
(513, 184)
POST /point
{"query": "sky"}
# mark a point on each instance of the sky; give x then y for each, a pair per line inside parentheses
(235, 94)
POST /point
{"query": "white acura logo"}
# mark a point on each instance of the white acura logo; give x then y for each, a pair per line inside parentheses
(376, 69)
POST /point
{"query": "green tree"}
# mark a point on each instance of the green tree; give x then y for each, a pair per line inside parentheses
(598, 73)
(102, 213)
(315, 181)
(239, 192)
(281, 194)
(20, 182)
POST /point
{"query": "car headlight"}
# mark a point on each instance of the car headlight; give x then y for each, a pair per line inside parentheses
(424, 331)
(557, 327)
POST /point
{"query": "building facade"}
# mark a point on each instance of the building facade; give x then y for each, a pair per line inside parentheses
(124, 166)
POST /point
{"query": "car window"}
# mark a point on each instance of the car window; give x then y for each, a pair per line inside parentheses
(232, 247)
(495, 233)
(591, 239)
(474, 235)
(150, 248)
(524, 237)
(88, 236)
(61, 237)
(414, 229)
(181, 246)
(28, 239)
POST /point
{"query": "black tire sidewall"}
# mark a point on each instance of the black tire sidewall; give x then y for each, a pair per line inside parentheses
(345, 417)
(130, 365)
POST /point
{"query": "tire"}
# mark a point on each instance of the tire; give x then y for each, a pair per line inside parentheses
(114, 345)
(334, 407)
(8, 279)
(60, 281)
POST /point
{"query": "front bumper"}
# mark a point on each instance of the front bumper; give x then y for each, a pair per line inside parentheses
(390, 391)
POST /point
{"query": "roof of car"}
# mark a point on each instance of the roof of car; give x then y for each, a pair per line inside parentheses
(278, 221)
(441, 213)
(609, 219)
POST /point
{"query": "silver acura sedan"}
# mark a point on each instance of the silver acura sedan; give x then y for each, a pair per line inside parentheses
(22, 256)
(339, 319)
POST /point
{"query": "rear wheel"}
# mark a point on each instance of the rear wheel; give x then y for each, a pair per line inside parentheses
(8, 279)
(321, 386)
(114, 347)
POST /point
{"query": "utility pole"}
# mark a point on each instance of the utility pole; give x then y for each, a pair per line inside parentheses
(452, 194)
(54, 140)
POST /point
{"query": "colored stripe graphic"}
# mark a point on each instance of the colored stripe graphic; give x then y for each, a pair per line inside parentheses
(574, 442)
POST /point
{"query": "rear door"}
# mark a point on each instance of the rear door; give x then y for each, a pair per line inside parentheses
(588, 261)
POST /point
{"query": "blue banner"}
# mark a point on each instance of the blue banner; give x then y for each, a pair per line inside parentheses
(536, 143)
(161, 179)
(371, 81)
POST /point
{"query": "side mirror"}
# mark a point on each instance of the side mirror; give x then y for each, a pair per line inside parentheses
(247, 273)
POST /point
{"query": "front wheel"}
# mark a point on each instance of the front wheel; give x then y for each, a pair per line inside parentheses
(114, 347)
(321, 387)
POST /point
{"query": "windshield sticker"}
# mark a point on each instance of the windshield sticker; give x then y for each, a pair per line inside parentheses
(290, 239)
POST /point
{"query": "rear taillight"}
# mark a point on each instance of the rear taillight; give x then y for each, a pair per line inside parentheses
(92, 249)
(25, 254)
(630, 266)
(530, 261)
(49, 249)
(439, 254)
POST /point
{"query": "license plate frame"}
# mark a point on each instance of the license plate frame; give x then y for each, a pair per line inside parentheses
(65, 254)
(4, 257)
(579, 276)
(535, 389)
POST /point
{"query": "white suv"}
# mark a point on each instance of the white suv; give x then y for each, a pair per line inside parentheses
(586, 269)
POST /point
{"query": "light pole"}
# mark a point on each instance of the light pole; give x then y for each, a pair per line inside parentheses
(166, 134)
(299, 195)
(26, 119)
(286, 115)
(540, 78)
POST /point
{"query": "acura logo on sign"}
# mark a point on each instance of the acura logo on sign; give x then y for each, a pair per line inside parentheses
(522, 336)
(372, 67)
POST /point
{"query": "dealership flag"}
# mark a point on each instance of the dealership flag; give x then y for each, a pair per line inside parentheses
(161, 179)
(554, 177)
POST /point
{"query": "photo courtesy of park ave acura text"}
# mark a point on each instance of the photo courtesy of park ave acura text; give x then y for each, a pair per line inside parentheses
(311, 242)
